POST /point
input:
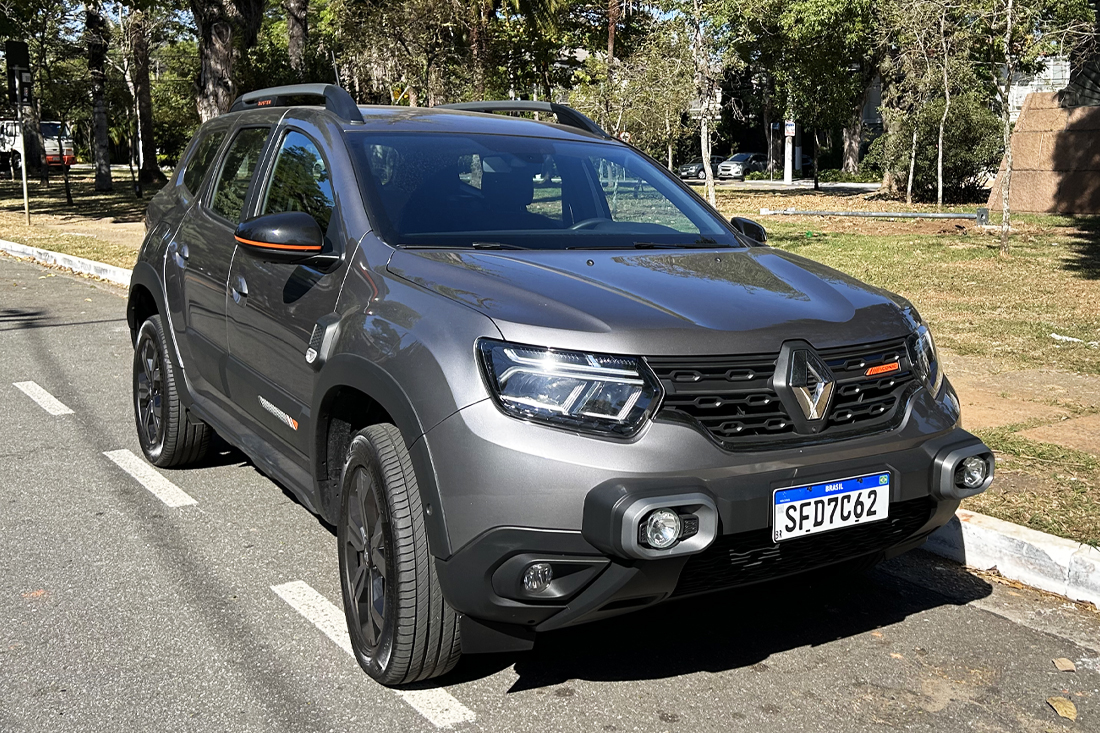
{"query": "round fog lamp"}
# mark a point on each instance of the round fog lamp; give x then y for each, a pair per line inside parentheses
(537, 577)
(972, 472)
(662, 529)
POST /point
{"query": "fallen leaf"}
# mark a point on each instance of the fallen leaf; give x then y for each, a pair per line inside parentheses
(876, 634)
(1064, 665)
(1063, 707)
(87, 300)
(35, 593)
(895, 655)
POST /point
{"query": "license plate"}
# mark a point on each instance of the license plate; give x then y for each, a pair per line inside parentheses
(803, 510)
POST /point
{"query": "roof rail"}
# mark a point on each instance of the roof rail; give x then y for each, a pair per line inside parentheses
(336, 99)
(566, 115)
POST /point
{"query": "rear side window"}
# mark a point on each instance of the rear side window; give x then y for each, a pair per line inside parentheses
(300, 181)
(236, 173)
(201, 160)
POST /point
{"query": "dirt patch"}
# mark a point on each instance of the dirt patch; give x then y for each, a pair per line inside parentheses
(1081, 433)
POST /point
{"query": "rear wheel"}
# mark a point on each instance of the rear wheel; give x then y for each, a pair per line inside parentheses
(402, 629)
(168, 434)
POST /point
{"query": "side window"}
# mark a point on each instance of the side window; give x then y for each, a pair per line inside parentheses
(236, 172)
(300, 181)
(201, 160)
(631, 198)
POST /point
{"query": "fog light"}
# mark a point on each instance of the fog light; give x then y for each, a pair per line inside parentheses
(537, 577)
(972, 472)
(662, 529)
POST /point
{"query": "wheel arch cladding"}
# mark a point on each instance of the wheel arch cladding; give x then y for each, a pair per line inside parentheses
(144, 300)
(353, 393)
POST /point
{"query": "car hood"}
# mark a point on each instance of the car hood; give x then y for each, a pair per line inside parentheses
(662, 302)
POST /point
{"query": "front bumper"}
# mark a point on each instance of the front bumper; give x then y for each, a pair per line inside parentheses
(515, 493)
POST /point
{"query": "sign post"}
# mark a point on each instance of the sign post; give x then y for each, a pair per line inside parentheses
(19, 90)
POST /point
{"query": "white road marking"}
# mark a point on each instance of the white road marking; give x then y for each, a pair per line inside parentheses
(45, 400)
(439, 706)
(147, 476)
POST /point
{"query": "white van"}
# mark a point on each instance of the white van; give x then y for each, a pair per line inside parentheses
(57, 155)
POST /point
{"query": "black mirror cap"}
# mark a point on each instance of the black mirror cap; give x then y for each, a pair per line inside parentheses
(750, 229)
(289, 236)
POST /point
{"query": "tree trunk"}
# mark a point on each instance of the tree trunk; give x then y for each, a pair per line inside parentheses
(218, 21)
(853, 135)
(912, 163)
(704, 139)
(946, 109)
(95, 31)
(149, 171)
(614, 11)
(1006, 118)
(817, 147)
(297, 31)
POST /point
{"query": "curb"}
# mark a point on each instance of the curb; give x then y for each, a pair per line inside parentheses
(110, 273)
(1034, 558)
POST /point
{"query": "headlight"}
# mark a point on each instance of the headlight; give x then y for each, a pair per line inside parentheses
(593, 392)
(922, 352)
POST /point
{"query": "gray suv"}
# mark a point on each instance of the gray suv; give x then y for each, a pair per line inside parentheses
(532, 378)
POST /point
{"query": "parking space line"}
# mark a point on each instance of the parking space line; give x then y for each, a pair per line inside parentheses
(45, 400)
(439, 706)
(147, 476)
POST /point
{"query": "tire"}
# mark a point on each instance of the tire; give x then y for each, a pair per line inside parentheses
(402, 629)
(702, 175)
(168, 434)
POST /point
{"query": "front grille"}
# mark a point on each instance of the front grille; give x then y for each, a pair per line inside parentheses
(751, 557)
(732, 399)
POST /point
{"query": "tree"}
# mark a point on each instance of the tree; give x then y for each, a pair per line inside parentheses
(96, 39)
(137, 34)
(297, 30)
(222, 24)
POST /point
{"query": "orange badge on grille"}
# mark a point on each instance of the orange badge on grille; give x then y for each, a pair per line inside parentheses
(883, 369)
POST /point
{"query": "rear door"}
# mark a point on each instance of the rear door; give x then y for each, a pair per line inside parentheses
(204, 247)
(274, 307)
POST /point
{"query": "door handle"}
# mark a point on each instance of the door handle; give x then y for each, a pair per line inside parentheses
(239, 289)
(180, 253)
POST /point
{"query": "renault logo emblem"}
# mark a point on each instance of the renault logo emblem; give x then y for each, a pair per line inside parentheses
(811, 382)
(804, 385)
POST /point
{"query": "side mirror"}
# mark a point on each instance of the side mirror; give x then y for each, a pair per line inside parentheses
(292, 237)
(750, 229)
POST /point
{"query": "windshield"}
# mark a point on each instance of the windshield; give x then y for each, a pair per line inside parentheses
(741, 157)
(497, 191)
(51, 129)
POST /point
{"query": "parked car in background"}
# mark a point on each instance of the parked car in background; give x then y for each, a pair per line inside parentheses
(737, 166)
(58, 152)
(694, 167)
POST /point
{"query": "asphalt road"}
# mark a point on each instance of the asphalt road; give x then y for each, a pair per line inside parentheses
(119, 612)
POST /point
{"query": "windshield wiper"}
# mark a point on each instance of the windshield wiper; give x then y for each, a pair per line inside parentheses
(692, 245)
(496, 245)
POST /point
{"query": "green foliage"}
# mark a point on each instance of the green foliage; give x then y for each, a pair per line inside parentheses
(834, 175)
(972, 149)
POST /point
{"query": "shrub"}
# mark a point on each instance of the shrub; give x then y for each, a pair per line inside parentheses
(973, 148)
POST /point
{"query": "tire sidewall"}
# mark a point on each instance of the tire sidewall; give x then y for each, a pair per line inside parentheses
(150, 331)
(362, 456)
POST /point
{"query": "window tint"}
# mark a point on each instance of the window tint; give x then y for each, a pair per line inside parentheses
(300, 181)
(201, 160)
(236, 173)
(455, 190)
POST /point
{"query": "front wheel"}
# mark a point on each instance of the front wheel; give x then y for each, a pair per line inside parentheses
(402, 629)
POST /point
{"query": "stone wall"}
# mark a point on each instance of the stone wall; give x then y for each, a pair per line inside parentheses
(1055, 159)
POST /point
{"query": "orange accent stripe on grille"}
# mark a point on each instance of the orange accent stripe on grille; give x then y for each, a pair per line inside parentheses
(269, 245)
(883, 369)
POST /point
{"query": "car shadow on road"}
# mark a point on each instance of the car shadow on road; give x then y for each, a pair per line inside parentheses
(733, 629)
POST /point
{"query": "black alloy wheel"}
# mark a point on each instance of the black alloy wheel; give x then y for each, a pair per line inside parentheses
(401, 627)
(149, 388)
(366, 562)
(168, 434)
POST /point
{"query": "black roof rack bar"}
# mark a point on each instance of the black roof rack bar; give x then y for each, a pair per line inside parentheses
(566, 115)
(337, 100)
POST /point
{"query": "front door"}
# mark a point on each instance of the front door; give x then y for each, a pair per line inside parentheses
(273, 307)
(204, 247)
